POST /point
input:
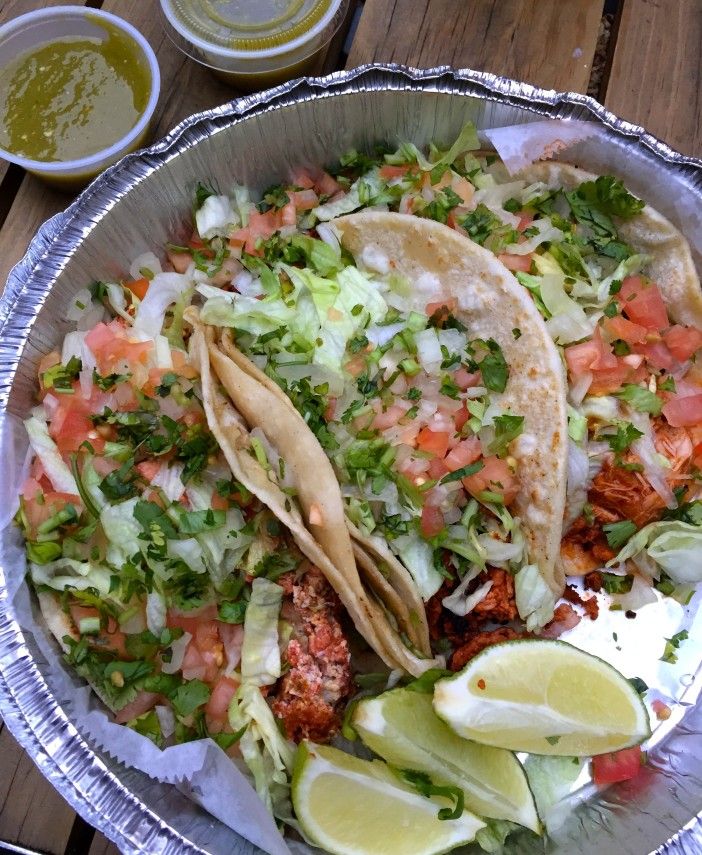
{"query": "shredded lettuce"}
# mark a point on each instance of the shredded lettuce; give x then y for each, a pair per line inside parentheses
(260, 654)
(164, 290)
(122, 530)
(257, 317)
(47, 451)
(675, 546)
(67, 573)
(535, 600)
(416, 555)
(345, 205)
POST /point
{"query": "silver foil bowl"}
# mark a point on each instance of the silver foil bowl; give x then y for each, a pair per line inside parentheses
(143, 201)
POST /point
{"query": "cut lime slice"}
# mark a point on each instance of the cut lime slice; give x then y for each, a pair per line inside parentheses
(402, 727)
(545, 697)
(358, 807)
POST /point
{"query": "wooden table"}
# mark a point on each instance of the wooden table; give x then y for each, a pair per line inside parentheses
(652, 75)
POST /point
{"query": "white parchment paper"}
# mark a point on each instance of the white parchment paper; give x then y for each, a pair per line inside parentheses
(200, 770)
(521, 145)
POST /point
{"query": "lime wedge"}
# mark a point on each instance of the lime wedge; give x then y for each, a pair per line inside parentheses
(402, 727)
(545, 697)
(358, 807)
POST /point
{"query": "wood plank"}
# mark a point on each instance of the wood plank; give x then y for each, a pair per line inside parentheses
(102, 846)
(515, 38)
(656, 75)
(186, 87)
(32, 813)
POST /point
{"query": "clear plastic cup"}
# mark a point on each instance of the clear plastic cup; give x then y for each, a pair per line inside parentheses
(253, 45)
(27, 32)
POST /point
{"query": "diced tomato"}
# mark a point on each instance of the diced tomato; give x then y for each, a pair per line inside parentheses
(657, 355)
(389, 418)
(465, 379)
(138, 287)
(304, 200)
(437, 468)
(388, 172)
(189, 621)
(496, 477)
(444, 307)
(326, 185)
(433, 442)
(148, 469)
(643, 304)
(288, 215)
(619, 766)
(525, 220)
(684, 412)
(592, 355)
(516, 262)
(463, 188)
(73, 431)
(461, 417)
(683, 342)
(111, 346)
(302, 178)
(143, 702)
(180, 261)
(356, 364)
(432, 521)
(467, 451)
(222, 694)
(619, 327)
(609, 380)
(194, 666)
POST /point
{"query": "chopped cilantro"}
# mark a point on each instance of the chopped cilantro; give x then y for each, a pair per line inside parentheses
(622, 439)
(673, 644)
(507, 428)
(618, 533)
(642, 400)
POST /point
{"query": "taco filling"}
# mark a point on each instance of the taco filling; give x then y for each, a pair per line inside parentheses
(173, 589)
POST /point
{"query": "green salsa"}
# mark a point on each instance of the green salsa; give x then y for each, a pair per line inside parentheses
(71, 98)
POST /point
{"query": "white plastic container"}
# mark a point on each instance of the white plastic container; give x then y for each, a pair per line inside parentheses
(35, 29)
(254, 45)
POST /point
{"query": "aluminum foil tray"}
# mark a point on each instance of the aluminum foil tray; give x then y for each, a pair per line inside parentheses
(139, 203)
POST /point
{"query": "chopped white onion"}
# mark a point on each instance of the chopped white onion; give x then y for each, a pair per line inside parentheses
(166, 720)
(168, 478)
(178, 648)
(429, 350)
(379, 335)
(145, 261)
(578, 390)
(155, 612)
(328, 234)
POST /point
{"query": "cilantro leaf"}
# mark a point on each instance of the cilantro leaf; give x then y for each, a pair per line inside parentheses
(642, 400)
(622, 439)
(673, 644)
(507, 428)
(494, 368)
(189, 696)
(232, 612)
(423, 785)
(618, 533)
(611, 197)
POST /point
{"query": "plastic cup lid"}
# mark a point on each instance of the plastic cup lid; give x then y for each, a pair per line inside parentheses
(238, 25)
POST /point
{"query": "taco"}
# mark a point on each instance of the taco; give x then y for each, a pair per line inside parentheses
(185, 600)
(450, 476)
(617, 286)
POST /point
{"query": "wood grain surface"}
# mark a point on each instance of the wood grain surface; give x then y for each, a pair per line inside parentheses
(186, 88)
(656, 74)
(32, 813)
(549, 44)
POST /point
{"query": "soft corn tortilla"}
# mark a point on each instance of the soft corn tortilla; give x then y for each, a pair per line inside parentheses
(649, 233)
(330, 548)
(441, 264)
(383, 574)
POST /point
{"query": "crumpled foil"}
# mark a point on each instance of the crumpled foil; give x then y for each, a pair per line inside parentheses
(193, 796)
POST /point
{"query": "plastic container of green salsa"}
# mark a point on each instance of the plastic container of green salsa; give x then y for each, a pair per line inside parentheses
(253, 45)
(78, 88)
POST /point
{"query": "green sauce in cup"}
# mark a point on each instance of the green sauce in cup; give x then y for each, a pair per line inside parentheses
(73, 97)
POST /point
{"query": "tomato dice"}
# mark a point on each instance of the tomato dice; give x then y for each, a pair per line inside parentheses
(437, 468)
(432, 521)
(467, 451)
(222, 694)
(619, 327)
(643, 304)
(388, 172)
(139, 287)
(592, 355)
(495, 477)
(113, 349)
(683, 342)
(684, 412)
(618, 766)
(304, 200)
(657, 355)
(443, 307)
(516, 262)
(433, 442)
